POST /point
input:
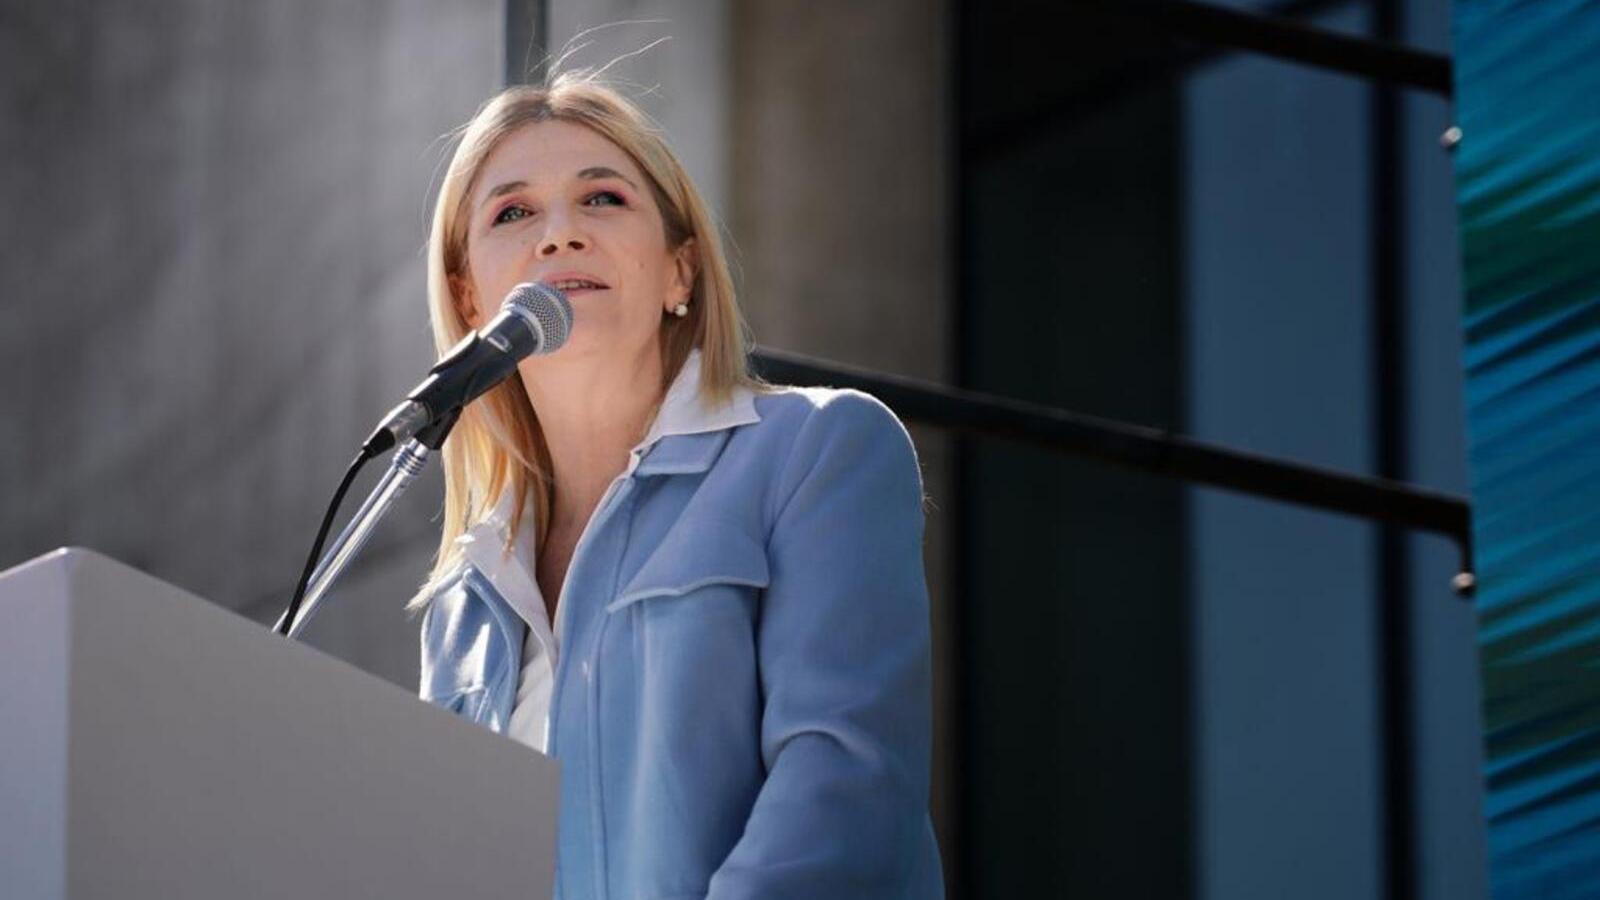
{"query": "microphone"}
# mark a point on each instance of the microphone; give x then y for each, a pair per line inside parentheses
(534, 319)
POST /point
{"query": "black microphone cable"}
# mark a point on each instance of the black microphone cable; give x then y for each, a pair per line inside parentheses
(322, 536)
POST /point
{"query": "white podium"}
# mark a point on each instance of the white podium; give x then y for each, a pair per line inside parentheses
(154, 745)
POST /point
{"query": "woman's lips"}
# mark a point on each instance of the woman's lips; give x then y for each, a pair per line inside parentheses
(572, 283)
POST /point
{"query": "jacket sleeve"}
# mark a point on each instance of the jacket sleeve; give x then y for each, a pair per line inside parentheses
(845, 664)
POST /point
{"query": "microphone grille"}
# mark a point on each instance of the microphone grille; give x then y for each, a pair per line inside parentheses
(549, 309)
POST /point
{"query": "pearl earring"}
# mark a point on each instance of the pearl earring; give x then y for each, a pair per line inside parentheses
(681, 310)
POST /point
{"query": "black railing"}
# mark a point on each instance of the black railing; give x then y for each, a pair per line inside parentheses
(1151, 450)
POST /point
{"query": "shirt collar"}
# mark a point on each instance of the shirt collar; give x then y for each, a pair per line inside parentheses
(684, 411)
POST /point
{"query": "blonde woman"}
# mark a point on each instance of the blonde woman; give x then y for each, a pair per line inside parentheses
(703, 594)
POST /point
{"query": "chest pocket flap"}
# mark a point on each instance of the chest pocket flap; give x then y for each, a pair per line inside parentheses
(696, 554)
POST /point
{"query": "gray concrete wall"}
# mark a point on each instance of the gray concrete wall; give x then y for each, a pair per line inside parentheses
(212, 282)
(683, 81)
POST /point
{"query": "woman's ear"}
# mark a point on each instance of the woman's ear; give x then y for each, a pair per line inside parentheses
(685, 265)
(465, 299)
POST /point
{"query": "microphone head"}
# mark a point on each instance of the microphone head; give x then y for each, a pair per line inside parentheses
(546, 309)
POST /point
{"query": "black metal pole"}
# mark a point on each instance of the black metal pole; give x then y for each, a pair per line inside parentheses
(962, 616)
(1393, 596)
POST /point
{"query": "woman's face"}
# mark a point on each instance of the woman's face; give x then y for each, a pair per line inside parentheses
(557, 202)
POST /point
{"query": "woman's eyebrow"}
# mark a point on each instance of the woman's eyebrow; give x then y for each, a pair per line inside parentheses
(500, 190)
(605, 172)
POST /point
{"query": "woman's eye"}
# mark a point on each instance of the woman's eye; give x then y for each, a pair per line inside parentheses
(510, 214)
(611, 196)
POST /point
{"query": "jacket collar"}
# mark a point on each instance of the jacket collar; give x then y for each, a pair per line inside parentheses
(700, 429)
(684, 438)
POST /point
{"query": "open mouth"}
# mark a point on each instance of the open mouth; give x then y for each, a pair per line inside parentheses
(570, 286)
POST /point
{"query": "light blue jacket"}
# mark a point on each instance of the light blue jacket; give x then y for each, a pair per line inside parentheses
(741, 704)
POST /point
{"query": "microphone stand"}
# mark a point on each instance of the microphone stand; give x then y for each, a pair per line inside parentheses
(404, 468)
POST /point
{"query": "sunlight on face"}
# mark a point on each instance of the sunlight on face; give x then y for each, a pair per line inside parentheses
(559, 203)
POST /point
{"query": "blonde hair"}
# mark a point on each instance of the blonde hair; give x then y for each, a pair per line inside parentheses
(498, 445)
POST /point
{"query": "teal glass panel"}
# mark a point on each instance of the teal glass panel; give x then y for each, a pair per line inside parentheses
(1528, 182)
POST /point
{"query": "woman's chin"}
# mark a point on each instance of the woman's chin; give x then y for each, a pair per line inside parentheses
(586, 345)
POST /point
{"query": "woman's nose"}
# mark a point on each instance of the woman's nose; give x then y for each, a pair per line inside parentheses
(561, 236)
(550, 246)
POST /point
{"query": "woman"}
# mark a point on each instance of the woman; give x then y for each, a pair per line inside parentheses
(737, 676)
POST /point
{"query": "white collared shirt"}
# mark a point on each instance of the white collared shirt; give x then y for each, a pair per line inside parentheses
(681, 412)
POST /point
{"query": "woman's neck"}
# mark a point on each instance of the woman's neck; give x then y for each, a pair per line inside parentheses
(593, 411)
